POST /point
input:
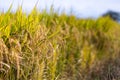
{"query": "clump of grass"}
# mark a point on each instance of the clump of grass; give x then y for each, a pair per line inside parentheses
(48, 46)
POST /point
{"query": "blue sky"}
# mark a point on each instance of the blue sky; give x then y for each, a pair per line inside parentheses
(82, 8)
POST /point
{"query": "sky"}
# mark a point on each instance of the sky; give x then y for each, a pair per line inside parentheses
(81, 8)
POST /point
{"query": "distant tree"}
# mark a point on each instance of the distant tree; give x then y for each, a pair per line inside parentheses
(113, 15)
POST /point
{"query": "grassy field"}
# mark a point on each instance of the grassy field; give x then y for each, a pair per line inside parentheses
(48, 46)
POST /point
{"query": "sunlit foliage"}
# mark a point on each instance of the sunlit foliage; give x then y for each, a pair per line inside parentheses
(48, 46)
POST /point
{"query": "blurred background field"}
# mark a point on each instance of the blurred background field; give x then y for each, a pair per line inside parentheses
(51, 46)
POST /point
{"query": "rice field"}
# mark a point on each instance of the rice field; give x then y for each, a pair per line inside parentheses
(48, 46)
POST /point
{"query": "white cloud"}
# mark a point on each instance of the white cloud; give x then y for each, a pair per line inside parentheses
(84, 7)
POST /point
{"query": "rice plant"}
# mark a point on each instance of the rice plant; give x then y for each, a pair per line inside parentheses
(48, 46)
